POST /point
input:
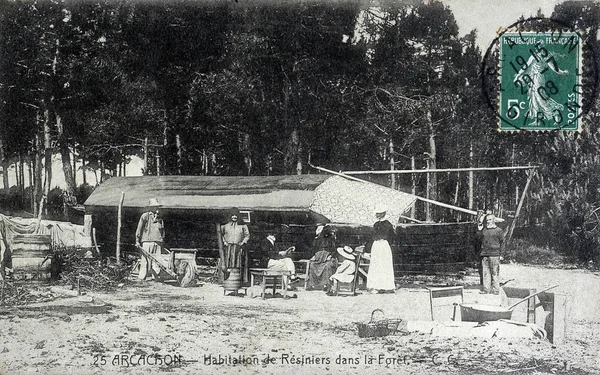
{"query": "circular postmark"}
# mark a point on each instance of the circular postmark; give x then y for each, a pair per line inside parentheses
(540, 74)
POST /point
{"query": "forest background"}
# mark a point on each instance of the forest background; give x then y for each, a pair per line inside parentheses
(254, 88)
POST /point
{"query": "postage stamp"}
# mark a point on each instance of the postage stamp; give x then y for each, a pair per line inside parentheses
(540, 74)
(540, 80)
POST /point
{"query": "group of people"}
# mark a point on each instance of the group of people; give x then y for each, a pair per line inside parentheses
(330, 264)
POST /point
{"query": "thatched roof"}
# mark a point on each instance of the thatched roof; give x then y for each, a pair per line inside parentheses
(336, 198)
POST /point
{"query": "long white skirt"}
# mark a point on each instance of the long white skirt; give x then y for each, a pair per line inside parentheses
(381, 268)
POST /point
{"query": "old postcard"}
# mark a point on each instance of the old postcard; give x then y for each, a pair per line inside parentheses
(309, 187)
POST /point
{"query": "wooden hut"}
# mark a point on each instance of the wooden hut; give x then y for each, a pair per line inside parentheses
(291, 206)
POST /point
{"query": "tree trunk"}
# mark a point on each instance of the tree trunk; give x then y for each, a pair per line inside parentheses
(432, 177)
(292, 157)
(427, 194)
(245, 149)
(31, 195)
(179, 154)
(38, 167)
(392, 164)
(145, 156)
(83, 169)
(5, 165)
(414, 186)
(74, 168)
(299, 157)
(20, 174)
(65, 155)
(164, 156)
(471, 176)
(22, 179)
(47, 156)
(157, 163)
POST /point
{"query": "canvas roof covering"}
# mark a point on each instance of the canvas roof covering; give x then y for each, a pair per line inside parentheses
(338, 199)
(352, 202)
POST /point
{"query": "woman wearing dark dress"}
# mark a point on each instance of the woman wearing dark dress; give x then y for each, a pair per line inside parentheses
(381, 269)
(323, 264)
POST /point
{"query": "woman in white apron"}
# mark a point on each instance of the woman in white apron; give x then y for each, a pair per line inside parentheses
(380, 278)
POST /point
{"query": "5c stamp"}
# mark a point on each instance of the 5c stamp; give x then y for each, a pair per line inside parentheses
(534, 77)
(540, 76)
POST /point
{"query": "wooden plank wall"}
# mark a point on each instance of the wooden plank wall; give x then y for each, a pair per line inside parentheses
(418, 248)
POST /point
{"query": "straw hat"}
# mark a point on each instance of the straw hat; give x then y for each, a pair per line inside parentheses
(153, 202)
(346, 252)
(380, 208)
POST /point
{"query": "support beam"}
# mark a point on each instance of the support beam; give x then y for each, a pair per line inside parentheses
(509, 233)
(407, 171)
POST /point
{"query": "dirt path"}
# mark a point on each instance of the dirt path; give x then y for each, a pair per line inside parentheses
(161, 328)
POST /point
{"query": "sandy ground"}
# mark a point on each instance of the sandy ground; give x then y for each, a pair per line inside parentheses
(159, 328)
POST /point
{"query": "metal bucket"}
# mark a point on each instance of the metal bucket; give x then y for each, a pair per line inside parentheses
(31, 256)
(483, 313)
(234, 281)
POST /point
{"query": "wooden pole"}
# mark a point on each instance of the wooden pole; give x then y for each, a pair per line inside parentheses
(95, 241)
(509, 233)
(478, 169)
(87, 224)
(119, 228)
(221, 266)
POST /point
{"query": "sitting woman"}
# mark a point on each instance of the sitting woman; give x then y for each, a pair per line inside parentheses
(323, 263)
(345, 272)
(276, 259)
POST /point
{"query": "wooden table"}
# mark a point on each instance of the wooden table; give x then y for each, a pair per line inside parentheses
(270, 277)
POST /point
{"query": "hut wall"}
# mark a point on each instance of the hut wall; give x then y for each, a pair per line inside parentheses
(197, 230)
(418, 248)
(422, 248)
(446, 247)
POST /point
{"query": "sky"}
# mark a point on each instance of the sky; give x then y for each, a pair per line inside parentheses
(488, 16)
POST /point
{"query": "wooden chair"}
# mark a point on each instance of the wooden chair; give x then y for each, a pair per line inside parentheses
(349, 289)
(448, 297)
(306, 267)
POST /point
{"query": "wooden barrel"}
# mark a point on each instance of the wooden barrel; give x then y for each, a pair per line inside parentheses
(29, 255)
(234, 281)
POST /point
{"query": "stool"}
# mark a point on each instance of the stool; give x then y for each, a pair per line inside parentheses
(270, 277)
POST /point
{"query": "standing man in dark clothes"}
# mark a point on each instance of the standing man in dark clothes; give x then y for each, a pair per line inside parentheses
(492, 239)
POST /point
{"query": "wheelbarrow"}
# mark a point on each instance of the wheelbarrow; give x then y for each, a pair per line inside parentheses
(178, 264)
(483, 313)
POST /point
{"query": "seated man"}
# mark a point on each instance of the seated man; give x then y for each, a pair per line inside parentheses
(346, 270)
(278, 260)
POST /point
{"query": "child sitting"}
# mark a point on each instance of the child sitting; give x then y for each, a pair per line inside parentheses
(346, 270)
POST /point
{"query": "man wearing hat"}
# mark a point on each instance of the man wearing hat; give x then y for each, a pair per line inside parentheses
(491, 238)
(346, 270)
(150, 235)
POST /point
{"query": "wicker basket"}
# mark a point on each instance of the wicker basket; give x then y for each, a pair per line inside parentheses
(378, 328)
